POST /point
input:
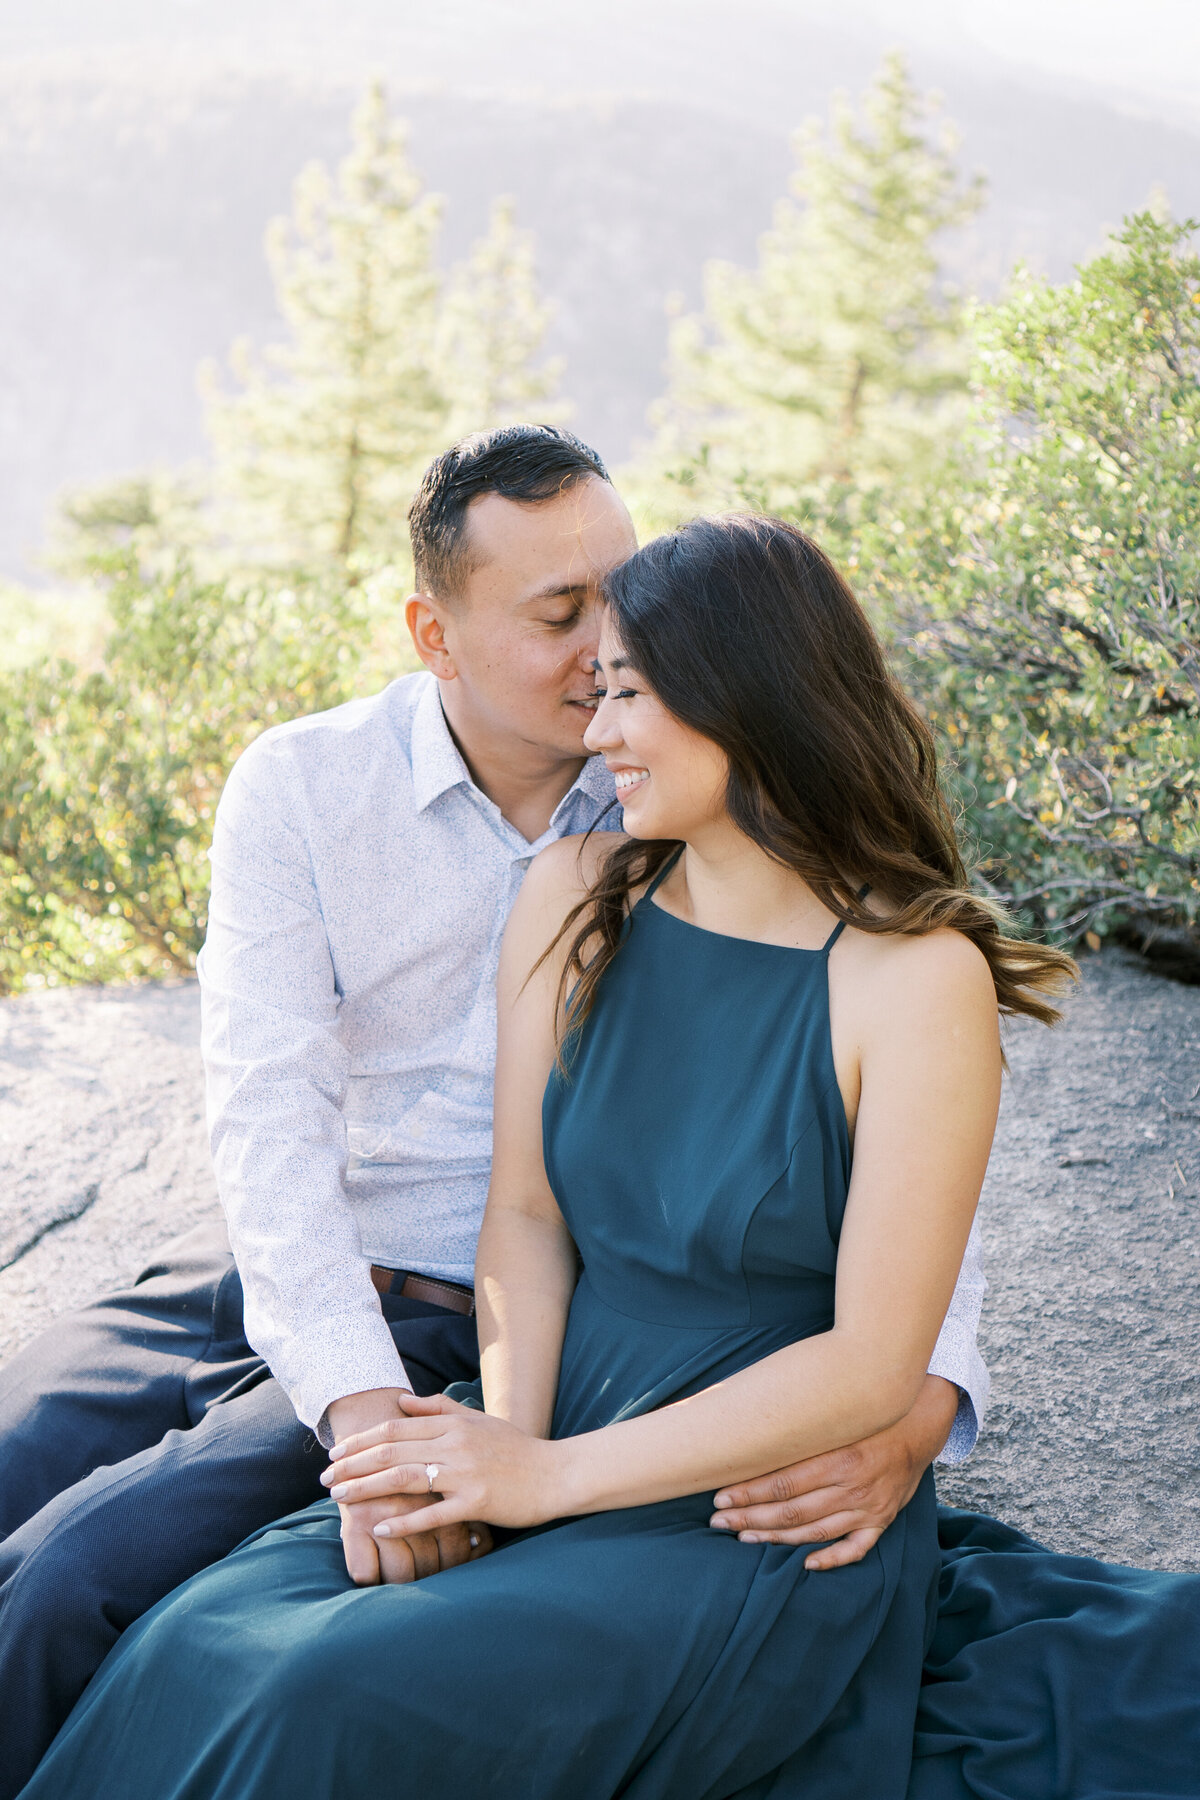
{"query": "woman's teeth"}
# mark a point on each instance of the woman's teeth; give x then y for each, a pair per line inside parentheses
(631, 778)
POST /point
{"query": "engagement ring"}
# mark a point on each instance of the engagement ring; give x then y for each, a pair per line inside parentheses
(431, 1475)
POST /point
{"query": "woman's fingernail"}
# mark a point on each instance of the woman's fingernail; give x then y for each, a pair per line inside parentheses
(338, 1450)
(384, 1531)
(720, 1500)
(340, 1491)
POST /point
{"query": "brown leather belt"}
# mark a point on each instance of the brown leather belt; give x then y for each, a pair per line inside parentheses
(427, 1288)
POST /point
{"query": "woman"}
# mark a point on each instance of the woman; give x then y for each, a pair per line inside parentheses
(743, 1111)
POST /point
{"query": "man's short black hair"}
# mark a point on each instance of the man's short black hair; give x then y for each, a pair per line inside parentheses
(522, 462)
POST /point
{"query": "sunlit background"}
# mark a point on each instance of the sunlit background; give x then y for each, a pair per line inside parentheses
(144, 144)
(263, 259)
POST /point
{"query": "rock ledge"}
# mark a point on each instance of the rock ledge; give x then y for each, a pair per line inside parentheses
(1091, 1327)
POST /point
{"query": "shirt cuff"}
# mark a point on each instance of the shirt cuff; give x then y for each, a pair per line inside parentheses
(956, 1359)
(963, 1433)
(355, 1355)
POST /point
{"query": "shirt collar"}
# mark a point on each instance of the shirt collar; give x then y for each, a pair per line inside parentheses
(595, 781)
(436, 763)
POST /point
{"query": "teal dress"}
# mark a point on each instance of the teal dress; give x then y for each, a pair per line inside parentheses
(700, 1156)
(1055, 1677)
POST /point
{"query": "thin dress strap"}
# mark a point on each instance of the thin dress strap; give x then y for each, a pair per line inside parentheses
(838, 929)
(663, 873)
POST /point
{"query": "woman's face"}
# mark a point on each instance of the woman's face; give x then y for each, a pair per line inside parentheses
(671, 780)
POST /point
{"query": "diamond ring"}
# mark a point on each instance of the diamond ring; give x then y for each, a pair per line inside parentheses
(431, 1474)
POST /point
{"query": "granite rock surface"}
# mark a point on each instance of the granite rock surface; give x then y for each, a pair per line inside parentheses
(1091, 1220)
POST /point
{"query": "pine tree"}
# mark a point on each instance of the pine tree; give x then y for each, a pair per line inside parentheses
(490, 330)
(836, 361)
(317, 455)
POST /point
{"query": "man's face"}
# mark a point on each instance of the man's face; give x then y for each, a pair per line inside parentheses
(521, 636)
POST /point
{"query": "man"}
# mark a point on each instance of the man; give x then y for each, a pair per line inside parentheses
(364, 862)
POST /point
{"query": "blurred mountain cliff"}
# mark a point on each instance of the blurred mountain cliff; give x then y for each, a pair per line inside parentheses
(144, 147)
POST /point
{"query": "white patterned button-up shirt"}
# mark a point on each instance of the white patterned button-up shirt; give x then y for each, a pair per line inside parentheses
(361, 884)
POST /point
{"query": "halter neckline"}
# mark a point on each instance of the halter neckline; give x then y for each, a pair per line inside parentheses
(730, 937)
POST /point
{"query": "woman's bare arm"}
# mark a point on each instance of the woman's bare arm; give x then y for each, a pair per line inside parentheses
(526, 1265)
(928, 1057)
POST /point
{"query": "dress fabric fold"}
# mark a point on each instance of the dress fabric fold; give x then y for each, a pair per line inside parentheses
(698, 1149)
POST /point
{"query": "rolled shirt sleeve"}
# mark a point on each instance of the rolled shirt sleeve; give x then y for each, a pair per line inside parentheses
(956, 1355)
(276, 1072)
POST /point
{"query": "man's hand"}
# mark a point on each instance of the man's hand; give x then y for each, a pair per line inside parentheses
(486, 1467)
(849, 1495)
(407, 1558)
(369, 1560)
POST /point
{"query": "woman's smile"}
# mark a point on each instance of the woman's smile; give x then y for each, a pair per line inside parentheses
(628, 779)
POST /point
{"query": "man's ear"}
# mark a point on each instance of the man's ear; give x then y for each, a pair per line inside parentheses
(428, 636)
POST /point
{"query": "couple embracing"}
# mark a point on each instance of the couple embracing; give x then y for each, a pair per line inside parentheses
(629, 1490)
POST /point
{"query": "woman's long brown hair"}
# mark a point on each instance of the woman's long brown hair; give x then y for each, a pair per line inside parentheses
(746, 632)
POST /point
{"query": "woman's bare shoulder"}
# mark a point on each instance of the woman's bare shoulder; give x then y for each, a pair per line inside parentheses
(557, 880)
(932, 969)
(571, 864)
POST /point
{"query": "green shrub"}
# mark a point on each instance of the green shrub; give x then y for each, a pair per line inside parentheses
(1046, 595)
(109, 778)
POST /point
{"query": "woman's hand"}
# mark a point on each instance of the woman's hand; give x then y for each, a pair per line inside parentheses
(370, 1560)
(480, 1467)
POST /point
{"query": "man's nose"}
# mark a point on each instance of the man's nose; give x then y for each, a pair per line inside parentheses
(587, 636)
(586, 648)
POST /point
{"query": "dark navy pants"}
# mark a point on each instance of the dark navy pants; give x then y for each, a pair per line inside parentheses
(141, 1440)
